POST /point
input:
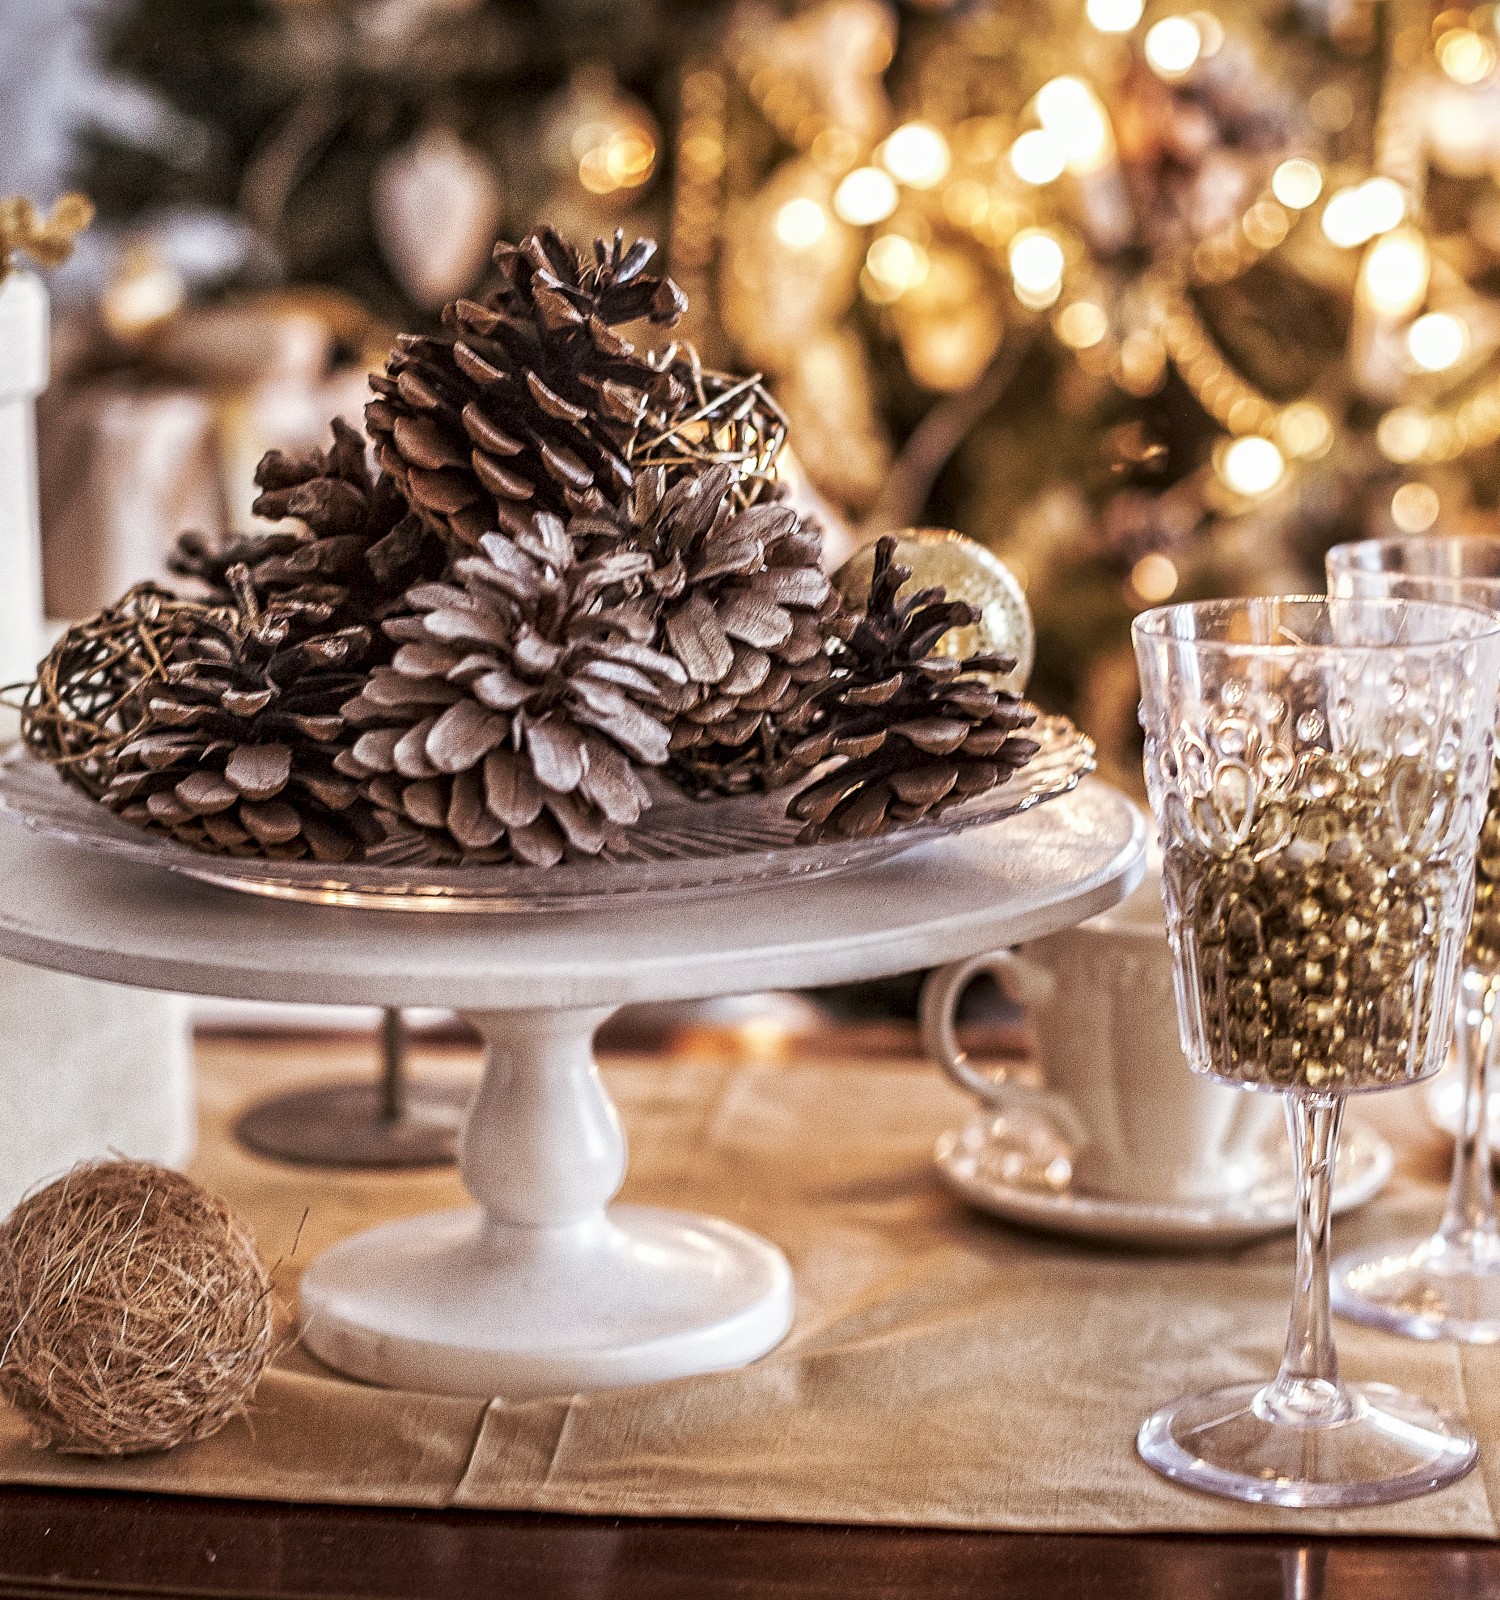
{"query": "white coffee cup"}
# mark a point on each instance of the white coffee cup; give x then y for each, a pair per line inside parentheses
(1142, 1124)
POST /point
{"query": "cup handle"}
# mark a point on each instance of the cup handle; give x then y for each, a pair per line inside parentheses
(1021, 981)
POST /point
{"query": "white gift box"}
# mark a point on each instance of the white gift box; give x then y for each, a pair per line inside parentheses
(86, 1068)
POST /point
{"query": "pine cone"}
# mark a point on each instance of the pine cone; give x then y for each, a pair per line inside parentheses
(919, 732)
(234, 751)
(522, 695)
(360, 547)
(532, 400)
(744, 606)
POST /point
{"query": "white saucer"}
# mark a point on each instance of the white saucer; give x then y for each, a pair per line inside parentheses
(1019, 1168)
(1445, 1106)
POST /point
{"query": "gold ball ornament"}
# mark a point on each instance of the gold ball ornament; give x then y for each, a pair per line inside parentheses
(967, 571)
(134, 1311)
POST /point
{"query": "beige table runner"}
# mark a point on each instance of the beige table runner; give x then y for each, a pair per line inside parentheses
(943, 1370)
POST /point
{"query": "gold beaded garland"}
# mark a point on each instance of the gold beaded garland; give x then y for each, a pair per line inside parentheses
(1483, 948)
(1316, 940)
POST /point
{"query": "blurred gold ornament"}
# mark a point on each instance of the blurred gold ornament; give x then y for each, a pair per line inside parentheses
(969, 572)
(602, 136)
(47, 240)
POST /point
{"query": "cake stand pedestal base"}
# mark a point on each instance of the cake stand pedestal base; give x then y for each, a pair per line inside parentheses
(543, 1289)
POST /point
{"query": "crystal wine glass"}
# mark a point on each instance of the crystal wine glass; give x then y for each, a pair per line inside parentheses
(1446, 1286)
(1318, 769)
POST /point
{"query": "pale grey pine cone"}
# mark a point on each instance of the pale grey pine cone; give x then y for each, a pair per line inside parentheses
(521, 699)
(742, 603)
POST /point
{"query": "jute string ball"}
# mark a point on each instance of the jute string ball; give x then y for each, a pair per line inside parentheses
(135, 1313)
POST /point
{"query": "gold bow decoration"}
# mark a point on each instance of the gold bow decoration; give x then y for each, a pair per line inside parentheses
(47, 239)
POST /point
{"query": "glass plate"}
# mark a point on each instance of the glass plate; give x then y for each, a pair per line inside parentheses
(680, 849)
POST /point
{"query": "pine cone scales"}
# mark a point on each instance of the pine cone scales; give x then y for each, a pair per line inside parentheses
(745, 608)
(531, 400)
(920, 733)
(359, 548)
(522, 695)
(234, 751)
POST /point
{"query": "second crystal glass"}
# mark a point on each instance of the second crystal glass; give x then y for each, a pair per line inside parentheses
(1447, 1285)
(1318, 771)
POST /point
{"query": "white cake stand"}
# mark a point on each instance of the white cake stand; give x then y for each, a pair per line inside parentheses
(545, 1288)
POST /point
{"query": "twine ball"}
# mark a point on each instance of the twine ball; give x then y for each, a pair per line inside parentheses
(134, 1311)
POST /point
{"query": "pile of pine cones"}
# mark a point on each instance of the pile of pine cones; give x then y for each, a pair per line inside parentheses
(570, 562)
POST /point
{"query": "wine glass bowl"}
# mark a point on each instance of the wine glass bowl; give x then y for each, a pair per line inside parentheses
(1318, 770)
(1446, 1285)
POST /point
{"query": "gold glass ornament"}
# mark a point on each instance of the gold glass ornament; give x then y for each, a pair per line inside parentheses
(970, 572)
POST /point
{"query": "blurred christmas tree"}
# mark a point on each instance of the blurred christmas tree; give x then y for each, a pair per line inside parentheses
(1155, 301)
(379, 146)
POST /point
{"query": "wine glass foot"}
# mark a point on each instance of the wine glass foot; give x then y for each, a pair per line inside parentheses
(1428, 1288)
(1382, 1445)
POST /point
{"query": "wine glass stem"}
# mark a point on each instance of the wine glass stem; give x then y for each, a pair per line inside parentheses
(1469, 1220)
(1307, 1387)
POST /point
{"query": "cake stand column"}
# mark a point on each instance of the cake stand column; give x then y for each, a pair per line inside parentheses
(544, 1288)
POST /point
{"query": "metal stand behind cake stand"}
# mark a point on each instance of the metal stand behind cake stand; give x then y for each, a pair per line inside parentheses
(544, 1287)
(389, 1123)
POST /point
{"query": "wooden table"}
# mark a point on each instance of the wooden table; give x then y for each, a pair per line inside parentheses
(92, 1544)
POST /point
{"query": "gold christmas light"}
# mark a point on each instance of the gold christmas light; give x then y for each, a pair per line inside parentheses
(801, 223)
(1036, 268)
(866, 196)
(1437, 341)
(1403, 434)
(917, 155)
(1070, 111)
(1114, 16)
(896, 263)
(1466, 56)
(1251, 465)
(1393, 276)
(1038, 157)
(1297, 182)
(1082, 324)
(1304, 431)
(1353, 216)
(1154, 578)
(1173, 46)
(1415, 507)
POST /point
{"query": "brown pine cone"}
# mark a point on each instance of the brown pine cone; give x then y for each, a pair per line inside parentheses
(744, 605)
(919, 732)
(532, 400)
(234, 750)
(359, 548)
(523, 695)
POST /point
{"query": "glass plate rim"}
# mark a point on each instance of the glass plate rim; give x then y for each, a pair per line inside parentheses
(33, 795)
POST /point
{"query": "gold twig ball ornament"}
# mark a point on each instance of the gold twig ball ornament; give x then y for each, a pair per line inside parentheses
(135, 1313)
(968, 571)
